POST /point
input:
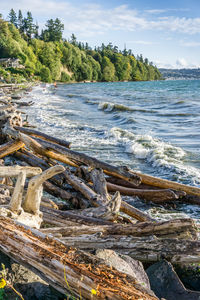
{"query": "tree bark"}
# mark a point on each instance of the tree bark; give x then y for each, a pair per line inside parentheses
(173, 228)
(145, 249)
(68, 270)
(156, 196)
(10, 147)
(43, 136)
(167, 184)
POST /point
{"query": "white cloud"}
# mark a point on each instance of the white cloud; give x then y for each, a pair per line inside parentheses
(91, 19)
(180, 63)
(190, 44)
(141, 42)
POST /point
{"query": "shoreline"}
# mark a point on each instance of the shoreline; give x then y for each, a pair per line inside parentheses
(95, 289)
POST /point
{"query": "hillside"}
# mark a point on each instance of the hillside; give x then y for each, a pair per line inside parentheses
(180, 73)
(50, 57)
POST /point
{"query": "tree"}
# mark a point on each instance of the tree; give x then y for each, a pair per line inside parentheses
(73, 40)
(13, 17)
(45, 74)
(53, 32)
(20, 21)
(30, 27)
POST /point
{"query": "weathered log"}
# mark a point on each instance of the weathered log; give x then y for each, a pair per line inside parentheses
(44, 136)
(38, 148)
(167, 184)
(58, 192)
(67, 216)
(173, 228)
(34, 192)
(13, 171)
(36, 161)
(145, 249)
(10, 147)
(135, 213)
(68, 270)
(108, 207)
(68, 156)
(157, 196)
(54, 185)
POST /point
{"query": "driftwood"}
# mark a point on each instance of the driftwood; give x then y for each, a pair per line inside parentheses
(157, 196)
(70, 271)
(10, 147)
(167, 184)
(68, 156)
(181, 228)
(145, 249)
(28, 210)
(43, 136)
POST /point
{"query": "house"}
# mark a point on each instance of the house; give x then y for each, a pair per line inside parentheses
(9, 62)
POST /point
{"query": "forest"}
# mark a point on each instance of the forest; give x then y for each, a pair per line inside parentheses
(50, 57)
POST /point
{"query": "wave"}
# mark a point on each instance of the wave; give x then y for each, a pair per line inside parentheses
(107, 106)
(162, 156)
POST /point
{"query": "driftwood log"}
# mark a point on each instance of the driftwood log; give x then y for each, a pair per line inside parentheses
(27, 210)
(181, 228)
(70, 271)
(67, 156)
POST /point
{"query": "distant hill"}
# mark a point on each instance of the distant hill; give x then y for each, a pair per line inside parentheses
(180, 73)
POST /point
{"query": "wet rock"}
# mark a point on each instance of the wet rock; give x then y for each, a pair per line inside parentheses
(190, 276)
(31, 286)
(166, 284)
(127, 265)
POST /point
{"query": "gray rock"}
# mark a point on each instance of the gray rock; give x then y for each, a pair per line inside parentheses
(30, 285)
(127, 265)
(166, 284)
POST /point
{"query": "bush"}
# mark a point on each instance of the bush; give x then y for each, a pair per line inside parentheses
(45, 74)
(64, 77)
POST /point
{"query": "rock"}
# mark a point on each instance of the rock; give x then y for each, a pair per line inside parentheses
(30, 285)
(127, 265)
(190, 276)
(166, 284)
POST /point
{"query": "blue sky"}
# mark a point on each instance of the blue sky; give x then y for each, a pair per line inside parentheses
(166, 32)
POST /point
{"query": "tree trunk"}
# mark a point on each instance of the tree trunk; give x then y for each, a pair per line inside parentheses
(68, 270)
(145, 249)
(156, 196)
(172, 228)
(43, 136)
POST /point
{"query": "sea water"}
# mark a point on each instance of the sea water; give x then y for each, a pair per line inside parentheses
(152, 127)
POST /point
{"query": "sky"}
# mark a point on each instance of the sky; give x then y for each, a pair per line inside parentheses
(166, 32)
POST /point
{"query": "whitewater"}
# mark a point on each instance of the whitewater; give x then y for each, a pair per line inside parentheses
(152, 127)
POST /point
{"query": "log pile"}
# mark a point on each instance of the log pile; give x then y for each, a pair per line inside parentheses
(94, 214)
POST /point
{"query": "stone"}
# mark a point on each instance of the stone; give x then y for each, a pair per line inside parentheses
(166, 284)
(127, 265)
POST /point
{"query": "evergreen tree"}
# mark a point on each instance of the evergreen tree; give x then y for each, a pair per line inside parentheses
(54, 31)
(13, 17)
(73, 40)
(20, 21)
(29, 26)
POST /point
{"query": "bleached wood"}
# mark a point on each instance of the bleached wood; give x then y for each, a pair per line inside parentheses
(52, 260)
(34, 193)
(16, 200)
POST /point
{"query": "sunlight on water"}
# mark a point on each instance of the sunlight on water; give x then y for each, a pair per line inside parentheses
(149, 126)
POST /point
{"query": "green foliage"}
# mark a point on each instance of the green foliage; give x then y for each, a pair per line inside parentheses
(64, 77)
(49, 57)
(45, 74)
(54, 31)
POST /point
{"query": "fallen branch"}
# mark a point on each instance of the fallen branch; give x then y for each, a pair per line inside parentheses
(68, 270)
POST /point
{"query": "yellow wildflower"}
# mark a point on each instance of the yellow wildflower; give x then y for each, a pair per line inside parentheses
(93, 292)
(2, 283)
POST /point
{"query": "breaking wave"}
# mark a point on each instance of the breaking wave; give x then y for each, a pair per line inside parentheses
(159, 154)
(107, 106)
